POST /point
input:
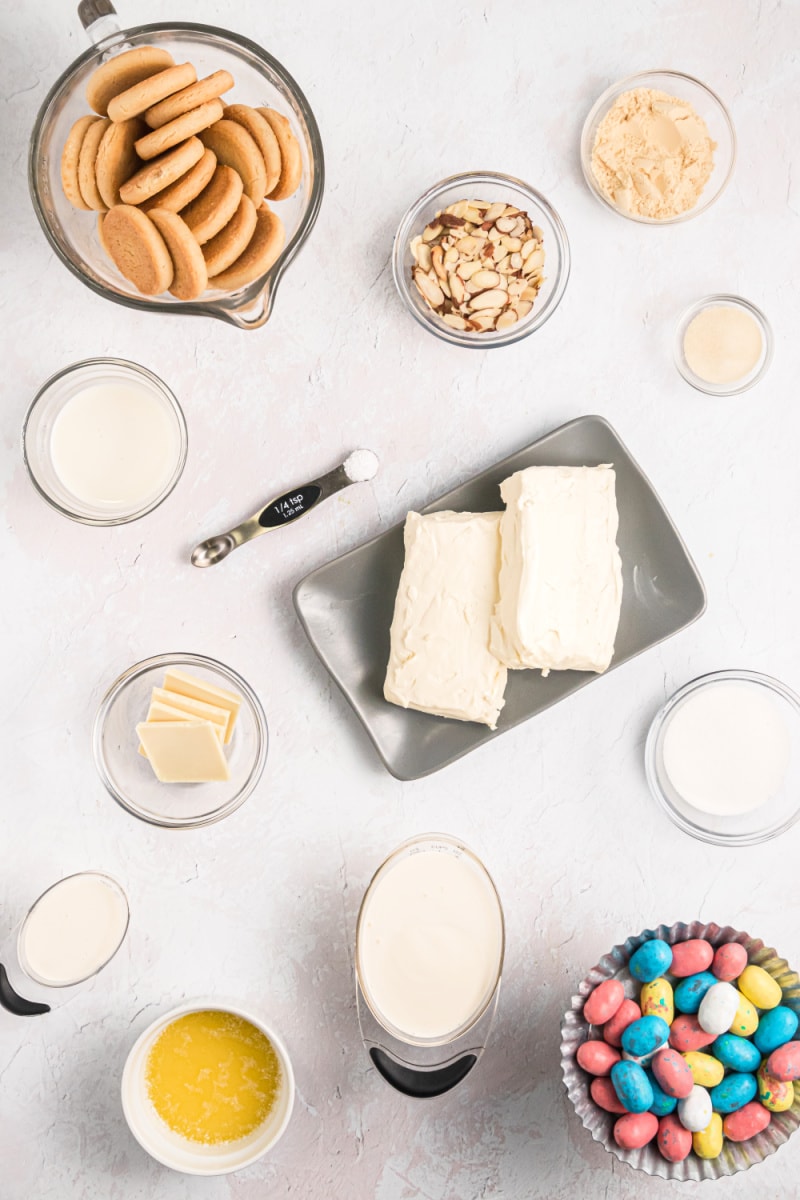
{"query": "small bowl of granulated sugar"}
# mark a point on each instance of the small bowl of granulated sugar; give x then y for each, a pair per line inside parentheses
(723, 345)
(658, 147)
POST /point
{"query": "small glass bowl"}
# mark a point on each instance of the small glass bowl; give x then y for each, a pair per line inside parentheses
(744, 829)
(38, 429)
(706, 104)
(128, 776)
(176, 1152)
(737, 385)
(491, 186)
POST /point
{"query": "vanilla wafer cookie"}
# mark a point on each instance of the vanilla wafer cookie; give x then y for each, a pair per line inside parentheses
(169, 135)
(138, 249)
(223, 250)
(122, 72)
(87, 160)
(190, 276)
(215, 205)
(161, 172)
(291, 158)
(234, 147)
(264, 137)
(70, 158)
(117, 159)
(183, 190)
(140, 97)
(210, 88)
(262, 251)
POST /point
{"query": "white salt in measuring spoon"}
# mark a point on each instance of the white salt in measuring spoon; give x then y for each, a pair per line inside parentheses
(358, 467)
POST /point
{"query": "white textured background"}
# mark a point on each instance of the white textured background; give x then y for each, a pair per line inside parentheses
(262, 907)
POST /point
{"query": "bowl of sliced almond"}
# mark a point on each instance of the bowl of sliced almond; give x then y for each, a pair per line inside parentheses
(481, 259)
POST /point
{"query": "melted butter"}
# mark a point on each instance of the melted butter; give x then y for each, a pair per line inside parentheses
(213, 1077)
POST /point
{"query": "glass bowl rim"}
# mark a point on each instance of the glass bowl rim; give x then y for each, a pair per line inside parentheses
(135, 369)
(384, 867)
(222, 305)
(651, 742)
(603, 102)
(725, 299)
(204, 661)
(523, 328)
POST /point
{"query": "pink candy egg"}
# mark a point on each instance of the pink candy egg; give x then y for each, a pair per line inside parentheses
(597, 1057)
(746, 1122)
(674, 1141)
(626, 1014)
(635, 1129)
(603, 1093)
(729, 961)
(603, 1002)
(686, 1033)
(784, 1063)
(689, 958)
(674, 1075)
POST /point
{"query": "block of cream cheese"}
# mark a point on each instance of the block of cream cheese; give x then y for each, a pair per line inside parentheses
(440, 661)
(183, 751)
(560, 573)
(198, 689)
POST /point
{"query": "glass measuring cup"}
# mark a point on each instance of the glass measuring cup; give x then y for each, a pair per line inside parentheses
(260, 80)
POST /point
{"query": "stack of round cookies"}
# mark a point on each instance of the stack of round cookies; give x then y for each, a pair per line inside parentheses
(180, 179)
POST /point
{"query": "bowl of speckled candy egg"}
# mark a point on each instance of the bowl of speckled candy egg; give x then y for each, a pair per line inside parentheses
(656, 1038)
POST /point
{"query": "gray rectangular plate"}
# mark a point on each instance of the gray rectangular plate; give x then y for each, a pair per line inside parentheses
(346, 606)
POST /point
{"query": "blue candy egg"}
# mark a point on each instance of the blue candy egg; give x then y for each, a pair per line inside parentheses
(736, 1053)
(632, 1086)
(644, 1036)
(652, 959)
(662, 1104)
(690, 991)
(733, 1093)
(775, 1027)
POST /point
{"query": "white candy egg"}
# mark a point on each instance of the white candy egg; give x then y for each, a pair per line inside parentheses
(695, 1112)
(718, 1008)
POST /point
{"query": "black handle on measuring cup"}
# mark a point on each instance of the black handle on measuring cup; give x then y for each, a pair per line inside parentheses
(421, 1084)
(16, 1004)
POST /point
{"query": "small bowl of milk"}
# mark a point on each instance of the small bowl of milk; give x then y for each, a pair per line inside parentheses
(105, 441)
(723, 758)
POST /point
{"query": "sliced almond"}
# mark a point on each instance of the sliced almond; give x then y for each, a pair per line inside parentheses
(530, 294)
(537, 233)
(516, 262)
(483, 322)
(511, 244)
(528, 247)
(467, 245)
(465, 270)
(430, 290)
(534, 261)
(457, 289)
(423, 256)
(451, 255)
(494, 211)
(506, 320)
(454, 321)
(522, 308)
(494, 298)
(437, 261)
(504, 224)
(431, 232)
(485, 279)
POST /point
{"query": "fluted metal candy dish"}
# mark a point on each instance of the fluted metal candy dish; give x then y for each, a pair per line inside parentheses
(575, 1030)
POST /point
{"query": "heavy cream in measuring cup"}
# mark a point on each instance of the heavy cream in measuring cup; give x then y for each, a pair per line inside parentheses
(115, 445)
(73, 929)
(430, 943)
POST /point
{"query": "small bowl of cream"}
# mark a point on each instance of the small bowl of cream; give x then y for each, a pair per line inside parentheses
(104, 441)
(723, 345)
(722, 757)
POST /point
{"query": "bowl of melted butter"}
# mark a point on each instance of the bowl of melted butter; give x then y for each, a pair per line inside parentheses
(207, 1089)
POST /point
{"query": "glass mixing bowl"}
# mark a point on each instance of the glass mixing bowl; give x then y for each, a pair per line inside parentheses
(260, 80)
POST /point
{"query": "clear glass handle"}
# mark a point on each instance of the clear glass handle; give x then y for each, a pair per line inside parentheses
(99, 19)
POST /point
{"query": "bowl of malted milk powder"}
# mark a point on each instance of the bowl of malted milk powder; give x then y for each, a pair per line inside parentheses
(722, 758)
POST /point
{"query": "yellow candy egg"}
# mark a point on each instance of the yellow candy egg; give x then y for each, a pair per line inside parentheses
(707, 1071)
(745, 1023)
(759, 987)
(656, 1000)
(708, 1142)
(773, 1093)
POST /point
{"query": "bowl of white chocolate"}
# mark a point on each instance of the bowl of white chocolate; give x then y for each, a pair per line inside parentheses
(180, 740)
